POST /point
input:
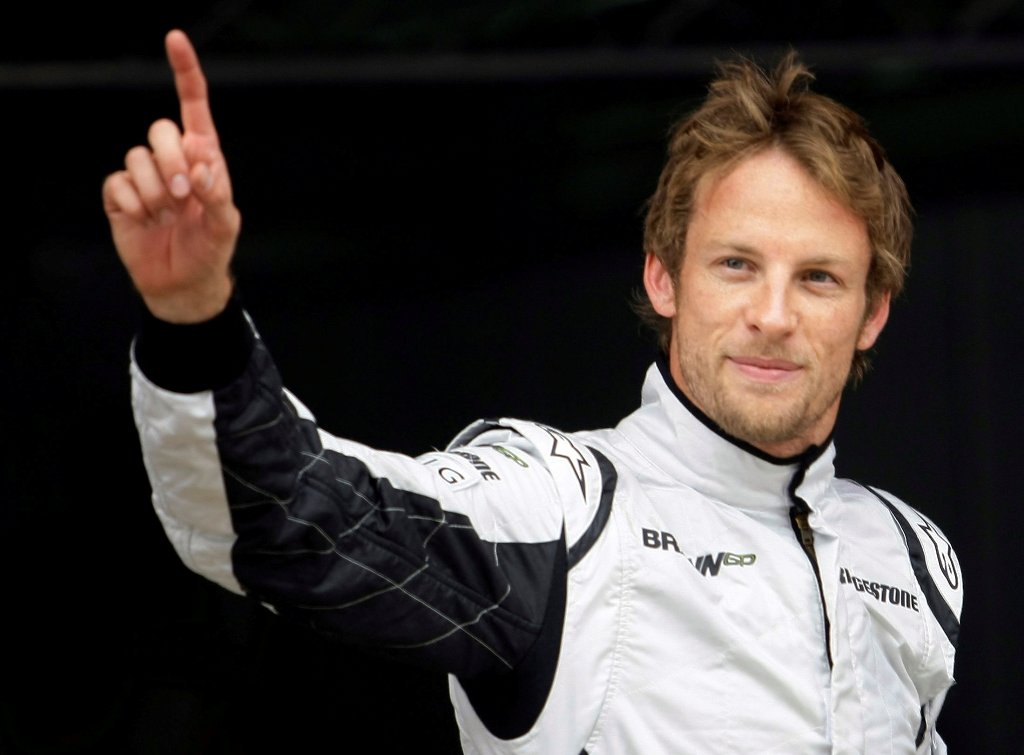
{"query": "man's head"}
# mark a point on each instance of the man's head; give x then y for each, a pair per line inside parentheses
(748, 110)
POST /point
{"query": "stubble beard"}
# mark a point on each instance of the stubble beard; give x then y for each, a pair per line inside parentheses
(759, 415)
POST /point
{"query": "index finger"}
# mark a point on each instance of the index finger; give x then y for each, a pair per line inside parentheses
(190, 84)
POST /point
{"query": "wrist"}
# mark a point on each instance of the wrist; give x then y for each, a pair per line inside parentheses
(195, 305)
(186, 358)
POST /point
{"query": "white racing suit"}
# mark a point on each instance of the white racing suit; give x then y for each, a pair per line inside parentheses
(654, 588)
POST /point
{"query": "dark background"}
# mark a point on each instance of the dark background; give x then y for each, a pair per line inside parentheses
(442, 220)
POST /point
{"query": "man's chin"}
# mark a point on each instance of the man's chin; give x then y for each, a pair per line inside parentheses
(786, 387)
(766, 422)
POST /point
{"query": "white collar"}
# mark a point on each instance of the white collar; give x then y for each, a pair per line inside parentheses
(685, 444)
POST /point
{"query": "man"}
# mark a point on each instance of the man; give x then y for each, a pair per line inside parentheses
(695, 579)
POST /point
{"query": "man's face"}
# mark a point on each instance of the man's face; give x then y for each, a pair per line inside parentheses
(769, 304)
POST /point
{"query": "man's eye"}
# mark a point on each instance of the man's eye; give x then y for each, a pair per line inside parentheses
(819, 276)
(734, 263)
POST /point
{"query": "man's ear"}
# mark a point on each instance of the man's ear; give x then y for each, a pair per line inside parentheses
(661, 289)
(874, 323)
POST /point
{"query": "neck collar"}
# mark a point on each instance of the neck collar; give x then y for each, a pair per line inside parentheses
(688, 446)
(806, 457)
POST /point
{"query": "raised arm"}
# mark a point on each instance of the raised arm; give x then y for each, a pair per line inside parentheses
(171, 211)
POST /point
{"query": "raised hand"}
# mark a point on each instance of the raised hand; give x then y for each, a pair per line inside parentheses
(171, 211)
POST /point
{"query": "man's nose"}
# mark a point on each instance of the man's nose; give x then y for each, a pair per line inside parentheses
(772, 309)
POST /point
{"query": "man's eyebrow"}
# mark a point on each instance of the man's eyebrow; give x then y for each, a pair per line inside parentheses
(829, 260)
(732, 246)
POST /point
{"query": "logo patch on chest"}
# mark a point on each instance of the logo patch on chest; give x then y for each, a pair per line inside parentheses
(881, 592)
(708, 564)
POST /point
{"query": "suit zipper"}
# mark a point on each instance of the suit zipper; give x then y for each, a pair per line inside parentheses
(798, 516)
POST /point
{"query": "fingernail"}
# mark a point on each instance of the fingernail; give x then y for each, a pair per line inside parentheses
(179, 185)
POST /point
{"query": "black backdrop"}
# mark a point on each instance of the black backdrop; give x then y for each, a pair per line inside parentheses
(419, 251)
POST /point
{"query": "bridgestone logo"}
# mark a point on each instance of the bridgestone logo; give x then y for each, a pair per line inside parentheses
(880, 592)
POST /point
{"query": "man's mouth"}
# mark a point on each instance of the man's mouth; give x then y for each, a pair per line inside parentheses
(766, 370)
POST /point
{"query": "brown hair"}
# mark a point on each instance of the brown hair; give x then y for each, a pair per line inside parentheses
(747, 110)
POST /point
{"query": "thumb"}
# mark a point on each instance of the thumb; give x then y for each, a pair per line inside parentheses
(201, 179)
(212, 187)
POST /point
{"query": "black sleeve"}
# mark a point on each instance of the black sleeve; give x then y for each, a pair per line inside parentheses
(190, 358)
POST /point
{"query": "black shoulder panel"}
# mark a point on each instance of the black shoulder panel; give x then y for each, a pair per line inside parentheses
(942, 612)
(508, 704)
(609, 479)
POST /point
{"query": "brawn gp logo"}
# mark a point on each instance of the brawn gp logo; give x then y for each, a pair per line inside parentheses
(706, 564)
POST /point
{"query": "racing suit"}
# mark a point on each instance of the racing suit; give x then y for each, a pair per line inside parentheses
(657, 587)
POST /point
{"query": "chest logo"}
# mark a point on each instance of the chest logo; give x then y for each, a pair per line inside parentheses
(881, 592)
(708, 564)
